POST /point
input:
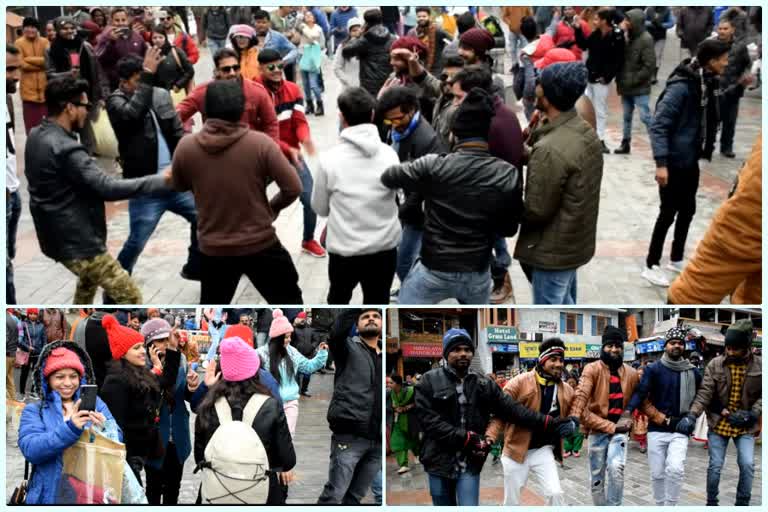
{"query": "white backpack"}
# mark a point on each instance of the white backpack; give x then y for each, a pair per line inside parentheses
(236, 468)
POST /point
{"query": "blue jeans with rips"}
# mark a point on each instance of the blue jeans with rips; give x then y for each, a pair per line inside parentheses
(607, 458)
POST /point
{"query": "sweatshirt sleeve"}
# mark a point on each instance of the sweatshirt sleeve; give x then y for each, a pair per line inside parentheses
(286, 177)
(321, 195)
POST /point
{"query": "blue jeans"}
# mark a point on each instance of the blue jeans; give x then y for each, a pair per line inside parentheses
(425, 286)
(145, 213)
(12, 215)
(501, 258)
(310, 217)
(516, 43)
(607, 454)
(214, 45)
(554, 286)
(463, 491)
(628, 104)
(408, 251)
(311, 82)
(376, 488)
(745, 458)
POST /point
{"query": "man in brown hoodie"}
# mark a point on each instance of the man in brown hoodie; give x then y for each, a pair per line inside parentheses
(228, 167)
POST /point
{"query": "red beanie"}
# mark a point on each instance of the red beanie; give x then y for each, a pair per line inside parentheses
(61, 358)
(33, 311)
(240, 331)
(410, 43)
(302, 315)
(121, 339)
(479, 39)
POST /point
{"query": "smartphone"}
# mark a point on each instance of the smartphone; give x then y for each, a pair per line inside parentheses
(88, 397)
(124, 32)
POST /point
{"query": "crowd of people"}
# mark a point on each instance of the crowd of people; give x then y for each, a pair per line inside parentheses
(432, 171)
(451, 418)
(246, 402)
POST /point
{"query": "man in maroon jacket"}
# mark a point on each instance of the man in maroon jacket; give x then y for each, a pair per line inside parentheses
(116, 41)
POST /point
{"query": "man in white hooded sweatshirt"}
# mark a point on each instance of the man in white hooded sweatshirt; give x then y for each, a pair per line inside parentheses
(363, 228)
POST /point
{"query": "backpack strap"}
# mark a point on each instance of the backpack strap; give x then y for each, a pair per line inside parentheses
(253, 407)
(176, 58)
(223, 410)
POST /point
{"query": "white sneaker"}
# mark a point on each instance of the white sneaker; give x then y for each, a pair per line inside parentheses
(416, 461)
(655, 276)
(675, 266)
(403, 470)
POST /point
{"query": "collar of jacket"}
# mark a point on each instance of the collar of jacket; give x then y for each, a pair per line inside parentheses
(621, 371)
(455, 376)
(549, 126)
(57, 126)
(475, 144)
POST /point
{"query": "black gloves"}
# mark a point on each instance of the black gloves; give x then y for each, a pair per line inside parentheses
(565, 427)
(742, 419)
(475, 447)
(684, 425)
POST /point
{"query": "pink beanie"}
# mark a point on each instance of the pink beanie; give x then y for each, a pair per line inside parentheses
(280, 325)
(238, 361)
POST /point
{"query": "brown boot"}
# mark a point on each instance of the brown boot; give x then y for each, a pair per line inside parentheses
(502, 291)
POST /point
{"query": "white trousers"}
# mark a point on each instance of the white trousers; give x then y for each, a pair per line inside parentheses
(541, 462)
(666, 458)
(598, 95)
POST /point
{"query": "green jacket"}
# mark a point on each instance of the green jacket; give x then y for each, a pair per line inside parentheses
(636, 74)
(562, 195)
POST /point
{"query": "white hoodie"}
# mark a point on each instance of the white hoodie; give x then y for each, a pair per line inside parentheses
(362, 213)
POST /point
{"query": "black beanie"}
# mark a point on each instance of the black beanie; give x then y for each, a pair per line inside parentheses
(613, 334)
(739, 335)
(224, 100)
(474, 115)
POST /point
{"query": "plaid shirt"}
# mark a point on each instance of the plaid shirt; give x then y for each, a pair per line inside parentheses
(738, 375)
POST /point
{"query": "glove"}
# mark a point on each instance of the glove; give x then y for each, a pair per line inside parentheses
(624, 424)
(685, 425)
(566, 427)
(742, 419)
(672, 422)
(475, 447)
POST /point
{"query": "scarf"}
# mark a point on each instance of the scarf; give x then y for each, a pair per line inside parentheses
(543, 378)
(687, 380)
(431, 35)
(397, 136)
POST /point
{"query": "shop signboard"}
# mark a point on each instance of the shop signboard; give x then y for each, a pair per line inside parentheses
(529, 350)
(690, 345)
(510, 348)
(547, 326)
(629, 351)
(575, 350)
(650, 346)
(501, 334)
(422, 350)
(593, 351)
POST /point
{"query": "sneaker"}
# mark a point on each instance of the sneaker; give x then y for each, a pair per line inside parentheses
(190, 275)
(394, 293)
(577, 454)
(728, 154)
(655, 276)
(606, 151)
(566, 455)
(675, 266)
(643, 449)
(313, 249)
(403, 470)
(305, 394)
(416, 461)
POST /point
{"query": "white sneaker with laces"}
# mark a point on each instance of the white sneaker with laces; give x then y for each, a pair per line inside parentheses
(403, 470)
(675, 266)
(655, 276)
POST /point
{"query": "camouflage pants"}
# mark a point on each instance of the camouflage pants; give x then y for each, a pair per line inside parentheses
(105, 271)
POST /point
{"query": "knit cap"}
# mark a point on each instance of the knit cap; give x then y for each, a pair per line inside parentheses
(675, 333)
(354, 22)
(238, 361)
(61, 358)
(280, 324)
(551, 347)
(613, 334)
(479, 39)
(563, 83)
(120, 338)
(243, 30)
(302, 315)
(240, 331)
(474, 115)
(455, 338)
(410, 43)
(33, 311)
(155, 329)
(739, 334)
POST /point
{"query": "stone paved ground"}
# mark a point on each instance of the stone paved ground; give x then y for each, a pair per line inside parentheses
(412, 488)
(312, 446)
(629, 204)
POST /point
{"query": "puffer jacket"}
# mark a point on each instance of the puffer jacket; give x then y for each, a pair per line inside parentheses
(728, 260)
(372, 50)
(33, 337)
(438, 411)
(43, 433)
(562, 195)
(738, 64)
(470, 199)
(67, 193)
(11, 334)
(526, 390)
(33, 79)
(215, 23)
(713, 395)
(131, 116)
(635, 76)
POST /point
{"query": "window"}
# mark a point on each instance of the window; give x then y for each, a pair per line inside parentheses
(571, 323)
(707, 314)
(599, 324)
(690, 314)
(502, 316)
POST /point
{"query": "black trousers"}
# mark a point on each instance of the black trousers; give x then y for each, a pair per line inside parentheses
(678, 206)
(374, 272)
(729, 111)
(163, 484)
(25, 371)
(271, 271)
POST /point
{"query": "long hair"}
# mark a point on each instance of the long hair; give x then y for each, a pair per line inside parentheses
(278, 353)
(139, 378)
(236, 393)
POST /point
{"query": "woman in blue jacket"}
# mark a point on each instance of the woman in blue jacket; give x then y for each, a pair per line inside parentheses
(55, 423)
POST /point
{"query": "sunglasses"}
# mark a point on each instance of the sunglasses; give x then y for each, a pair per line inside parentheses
(396, 121)
(273, 67)
(229, 69)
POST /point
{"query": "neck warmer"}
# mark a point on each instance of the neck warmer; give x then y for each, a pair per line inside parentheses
(543, 378)
(687, 380)
(397, 136)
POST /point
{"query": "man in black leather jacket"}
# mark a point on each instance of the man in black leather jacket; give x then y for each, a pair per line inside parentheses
(67, 193)
(470, 198)
(148, 129)
(454, 406)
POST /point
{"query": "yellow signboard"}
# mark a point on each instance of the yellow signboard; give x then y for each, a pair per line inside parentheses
(575, 350)
(529, 350)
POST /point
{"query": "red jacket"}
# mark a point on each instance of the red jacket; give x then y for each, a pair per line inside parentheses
(259, 112)
(565, 33)
(186, 43)
(289, 106)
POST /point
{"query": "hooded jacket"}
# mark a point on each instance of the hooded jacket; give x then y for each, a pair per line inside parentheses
(635, 76)
(245, 161)
(372, 50)
(362, 213)
(43, 433)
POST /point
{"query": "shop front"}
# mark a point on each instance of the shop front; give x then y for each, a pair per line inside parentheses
(650, 349)
(503, 345)
(419, 358)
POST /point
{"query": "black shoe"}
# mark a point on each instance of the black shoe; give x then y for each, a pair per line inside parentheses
(606, 151)
(190, 275)
(304, 393)
(623, 149)
(310, 108)
(320, 110)
(728, 154)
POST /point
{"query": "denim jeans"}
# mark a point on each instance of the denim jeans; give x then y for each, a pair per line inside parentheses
(501, 258)
(12, 215)
(554, 286)
(666, 458)
(425, 286)
(410, 246)
(355, 461)
(376, 488)
(607, 457)
(745, 458)
(310, 217)
(311, 82)
(516, 43)
(145, 213)
(463, 491)
(628, 104)
(214, 45)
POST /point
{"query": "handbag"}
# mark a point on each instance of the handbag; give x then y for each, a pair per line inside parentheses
(92, 471)
(19, 495)
(22, 358)
(104, 136)
(312, 58)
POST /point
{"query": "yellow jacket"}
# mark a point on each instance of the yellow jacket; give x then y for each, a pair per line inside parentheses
(249, 64)
(33, 80)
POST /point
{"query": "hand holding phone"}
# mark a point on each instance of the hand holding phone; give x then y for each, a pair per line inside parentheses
(88, 397)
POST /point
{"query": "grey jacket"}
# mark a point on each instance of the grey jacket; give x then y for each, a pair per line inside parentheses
(11, 335)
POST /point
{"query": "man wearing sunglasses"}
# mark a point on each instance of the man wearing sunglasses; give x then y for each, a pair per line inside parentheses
(67, 194)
